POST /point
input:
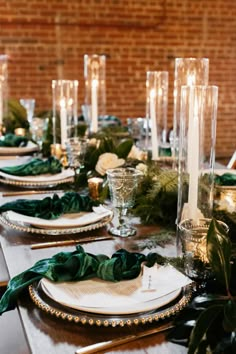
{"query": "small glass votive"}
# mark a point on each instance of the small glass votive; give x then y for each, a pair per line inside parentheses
(193, 237)
(56, 150)
(20, 131)
(95, 187)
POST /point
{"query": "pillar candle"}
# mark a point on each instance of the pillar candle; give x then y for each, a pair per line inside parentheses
(63, 119)
(94, 104)
(193, 155)
(153, 125)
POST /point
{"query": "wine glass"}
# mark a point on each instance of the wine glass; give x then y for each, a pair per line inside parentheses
(29, 105)
(38, 129)
(123, 184)
(76, 148)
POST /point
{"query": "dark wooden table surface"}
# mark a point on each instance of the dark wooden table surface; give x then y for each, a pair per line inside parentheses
(37, 332)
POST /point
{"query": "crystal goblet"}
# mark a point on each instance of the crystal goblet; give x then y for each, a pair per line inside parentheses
(76, 148)
(123, 184)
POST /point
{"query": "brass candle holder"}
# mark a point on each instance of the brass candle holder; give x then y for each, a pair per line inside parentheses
(56, 150)
(95, 187)
(60, 153)
(20, 131)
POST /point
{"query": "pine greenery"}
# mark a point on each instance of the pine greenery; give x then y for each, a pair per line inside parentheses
(156, 201)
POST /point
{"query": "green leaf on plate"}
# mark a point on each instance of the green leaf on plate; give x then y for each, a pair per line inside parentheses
(219, 252)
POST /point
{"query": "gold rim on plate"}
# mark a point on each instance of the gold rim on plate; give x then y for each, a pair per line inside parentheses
(18, 226)
(36, 184)
(43, 302)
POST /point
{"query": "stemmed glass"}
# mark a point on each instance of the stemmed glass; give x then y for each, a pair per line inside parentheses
(76, 149)
(29, 105)
(123, 184)
(38, 129)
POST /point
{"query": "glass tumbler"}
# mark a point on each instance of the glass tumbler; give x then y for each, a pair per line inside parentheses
(193, 237)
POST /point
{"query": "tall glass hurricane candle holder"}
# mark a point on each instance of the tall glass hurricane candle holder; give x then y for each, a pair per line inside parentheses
(188, 71)
(3, 88)
(197, 152)
(65, 104)
(95, 89)
(156, 112)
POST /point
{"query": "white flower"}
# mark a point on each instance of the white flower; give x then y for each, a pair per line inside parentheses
(106, 161)
(94, 142)
(142, 167)
(136, 154)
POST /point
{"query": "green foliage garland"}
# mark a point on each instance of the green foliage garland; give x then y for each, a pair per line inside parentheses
(156, 201)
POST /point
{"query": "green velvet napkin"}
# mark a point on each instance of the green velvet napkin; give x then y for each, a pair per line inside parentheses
(35, 167)
(75, 266)
(227, 179)
(51, 207)
(11, 140)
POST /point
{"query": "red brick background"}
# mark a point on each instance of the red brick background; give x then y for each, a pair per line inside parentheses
(47, 39)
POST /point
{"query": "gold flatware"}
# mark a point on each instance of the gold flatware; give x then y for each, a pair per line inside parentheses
(97, 347)
(15, 193)
(70, 242)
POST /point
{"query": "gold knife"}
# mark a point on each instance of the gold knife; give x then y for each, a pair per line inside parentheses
(70, 242)
(97, 347)
(15, 193)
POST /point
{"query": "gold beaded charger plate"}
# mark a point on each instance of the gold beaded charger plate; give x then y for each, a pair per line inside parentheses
(44, 180)
(10, 151)
(51, 307)
(65, 225)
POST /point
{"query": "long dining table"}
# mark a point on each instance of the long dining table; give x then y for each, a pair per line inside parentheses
(36, 331)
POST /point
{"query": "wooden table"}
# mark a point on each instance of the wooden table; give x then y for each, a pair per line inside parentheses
(45, 333)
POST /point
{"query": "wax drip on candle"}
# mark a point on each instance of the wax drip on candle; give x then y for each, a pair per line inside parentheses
(94, 104)
(153, 124)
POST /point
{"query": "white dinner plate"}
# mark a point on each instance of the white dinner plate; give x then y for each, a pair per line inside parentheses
(44, 180)
(47, 177)
(222, 171)
(29, 148)
(117, 298)
(64, 221)
(64, 225)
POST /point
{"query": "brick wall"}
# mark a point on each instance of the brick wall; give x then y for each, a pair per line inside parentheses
(46, 39)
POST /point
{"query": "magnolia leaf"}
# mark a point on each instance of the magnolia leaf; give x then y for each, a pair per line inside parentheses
(107, 145)
(124, 148)
(91, 157)
(219, 252)
(203, 323)
(229, 322)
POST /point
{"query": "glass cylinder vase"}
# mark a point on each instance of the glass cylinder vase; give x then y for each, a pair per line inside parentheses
(95, 89)
(65, 107)
(188, 71)
(156, 112)
(197, 152)
(3, 88)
